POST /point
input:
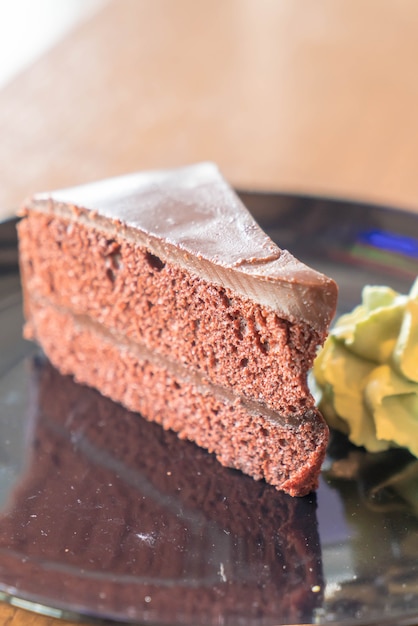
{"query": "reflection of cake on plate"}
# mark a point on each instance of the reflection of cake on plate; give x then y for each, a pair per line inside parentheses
(163, 281)
(115, 516)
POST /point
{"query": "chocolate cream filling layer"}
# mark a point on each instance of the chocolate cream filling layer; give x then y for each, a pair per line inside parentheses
(175, 369)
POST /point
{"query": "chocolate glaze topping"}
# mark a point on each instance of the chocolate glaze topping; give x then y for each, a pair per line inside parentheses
(192, 217)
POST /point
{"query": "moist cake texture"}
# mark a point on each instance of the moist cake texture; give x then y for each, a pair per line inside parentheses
(163, 280)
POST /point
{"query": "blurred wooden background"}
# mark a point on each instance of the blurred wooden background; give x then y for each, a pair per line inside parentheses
(284, 94)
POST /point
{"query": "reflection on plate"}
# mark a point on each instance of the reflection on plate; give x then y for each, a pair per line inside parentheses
(104, 515)
(138, 523)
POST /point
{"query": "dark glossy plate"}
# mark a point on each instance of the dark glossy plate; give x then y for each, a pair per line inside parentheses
(105, 516)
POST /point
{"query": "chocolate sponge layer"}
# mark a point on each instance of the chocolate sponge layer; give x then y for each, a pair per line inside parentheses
(286, 453)
(233, 341)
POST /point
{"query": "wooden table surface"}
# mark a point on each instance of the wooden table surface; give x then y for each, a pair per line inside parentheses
(283, 94)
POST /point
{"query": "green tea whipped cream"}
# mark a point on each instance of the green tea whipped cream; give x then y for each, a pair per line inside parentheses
(367, 371)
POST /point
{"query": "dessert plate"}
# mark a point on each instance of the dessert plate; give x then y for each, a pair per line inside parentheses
(104, 516)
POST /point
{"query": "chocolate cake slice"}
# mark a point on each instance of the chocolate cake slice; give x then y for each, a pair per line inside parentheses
(163, 281)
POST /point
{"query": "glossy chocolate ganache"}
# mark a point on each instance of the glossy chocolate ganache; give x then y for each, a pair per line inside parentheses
(191, 217)
(118, 518)
(164, 281)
